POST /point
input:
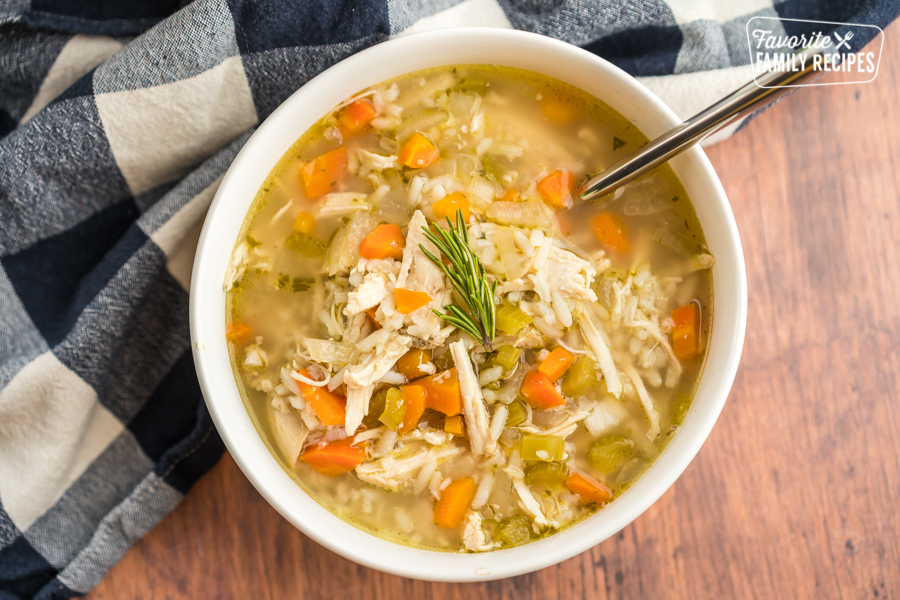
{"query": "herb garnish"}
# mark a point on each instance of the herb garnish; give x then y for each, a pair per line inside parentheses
(469, 279)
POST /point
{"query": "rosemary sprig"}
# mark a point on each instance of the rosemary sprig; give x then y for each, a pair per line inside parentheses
(467, 275)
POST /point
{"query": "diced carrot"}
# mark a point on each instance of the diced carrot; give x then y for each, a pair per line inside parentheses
(558, 111)
(372, 312)
(540, 391)
(588, 490)
(449, 204)
(356, 116)
(455, 425)
(454, 503)
(555, 189)
(410, 364)
(418, 152)
(511, 195)
(237, 331)
(385, 241)
(334, 458)
(686, 331)
(556, 363)
(328, 406)
(322, 174)
(611, 231)
(305, 223)
(414, 400)
(410, 300)
(442, 392)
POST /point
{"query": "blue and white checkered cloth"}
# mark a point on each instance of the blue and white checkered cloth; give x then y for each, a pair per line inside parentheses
(111, 148)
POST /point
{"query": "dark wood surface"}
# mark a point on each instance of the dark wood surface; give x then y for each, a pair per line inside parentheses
(796, 494)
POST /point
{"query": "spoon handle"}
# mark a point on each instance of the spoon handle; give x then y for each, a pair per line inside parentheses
(764, 90)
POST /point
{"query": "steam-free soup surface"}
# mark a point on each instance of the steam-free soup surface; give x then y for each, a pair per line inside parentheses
(467, 435)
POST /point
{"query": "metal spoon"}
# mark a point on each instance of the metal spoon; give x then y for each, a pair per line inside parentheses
(765, 90)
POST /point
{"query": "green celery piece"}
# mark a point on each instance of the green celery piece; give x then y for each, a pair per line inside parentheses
(394, 409)
(306, 245)
(514, 531)
(506, 357)
(609, 453)
(512, 319)
(517, 413)
(548, 474)
(376, 407)
(547, 448)
(580, 378)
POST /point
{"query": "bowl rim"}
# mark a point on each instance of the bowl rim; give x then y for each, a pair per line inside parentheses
(265, 472)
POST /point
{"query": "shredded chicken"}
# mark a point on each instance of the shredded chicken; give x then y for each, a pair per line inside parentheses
(395, 474)
(420, 274)
(602, 354)
(474, 537)
(474, 407)
(646, 400)
(527, 501)
(358, 397)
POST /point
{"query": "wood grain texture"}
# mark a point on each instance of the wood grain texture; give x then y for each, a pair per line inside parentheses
(795, 493)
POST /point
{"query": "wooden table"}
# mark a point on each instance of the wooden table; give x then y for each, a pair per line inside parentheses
(794, 495)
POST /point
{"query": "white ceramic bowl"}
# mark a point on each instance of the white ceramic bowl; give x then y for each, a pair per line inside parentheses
(300, 111)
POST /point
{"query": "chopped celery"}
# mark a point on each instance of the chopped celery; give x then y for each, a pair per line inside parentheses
(580, 378)
(306, 245)
(506, 357)
(376, 407)
(607, 454)
(517, 413)
(514, 531)
(549, 474)
(394, 409)
(547, 448)
(511, 319)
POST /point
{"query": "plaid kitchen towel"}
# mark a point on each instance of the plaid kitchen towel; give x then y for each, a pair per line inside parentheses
(117, 122)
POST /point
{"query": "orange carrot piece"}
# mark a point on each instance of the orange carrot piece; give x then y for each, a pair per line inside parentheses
(305, 223)
(328, 406)
(555, 189)
(371, 312)
(414, 400)
(588, 489)
(556, 363)
(611, 232)
(442, 392)
(454, 503)
(334, 458)
(558, 111)
(511, 195)
(455, 425)
(321, 175)
(540, 391)
(385, 241)
(410, 300)
(410, 364)
(449, 204)
(418, 152)
(686, 331)
(237, 331)
(356, 116)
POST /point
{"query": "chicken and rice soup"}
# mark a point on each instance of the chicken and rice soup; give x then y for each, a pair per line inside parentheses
(436, 340)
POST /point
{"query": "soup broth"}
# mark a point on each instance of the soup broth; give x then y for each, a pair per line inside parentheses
(422, 432)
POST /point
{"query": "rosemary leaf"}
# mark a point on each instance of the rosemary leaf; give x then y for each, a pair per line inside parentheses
(468, 278)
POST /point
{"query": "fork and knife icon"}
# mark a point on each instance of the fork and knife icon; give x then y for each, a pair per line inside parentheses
(843, 41)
